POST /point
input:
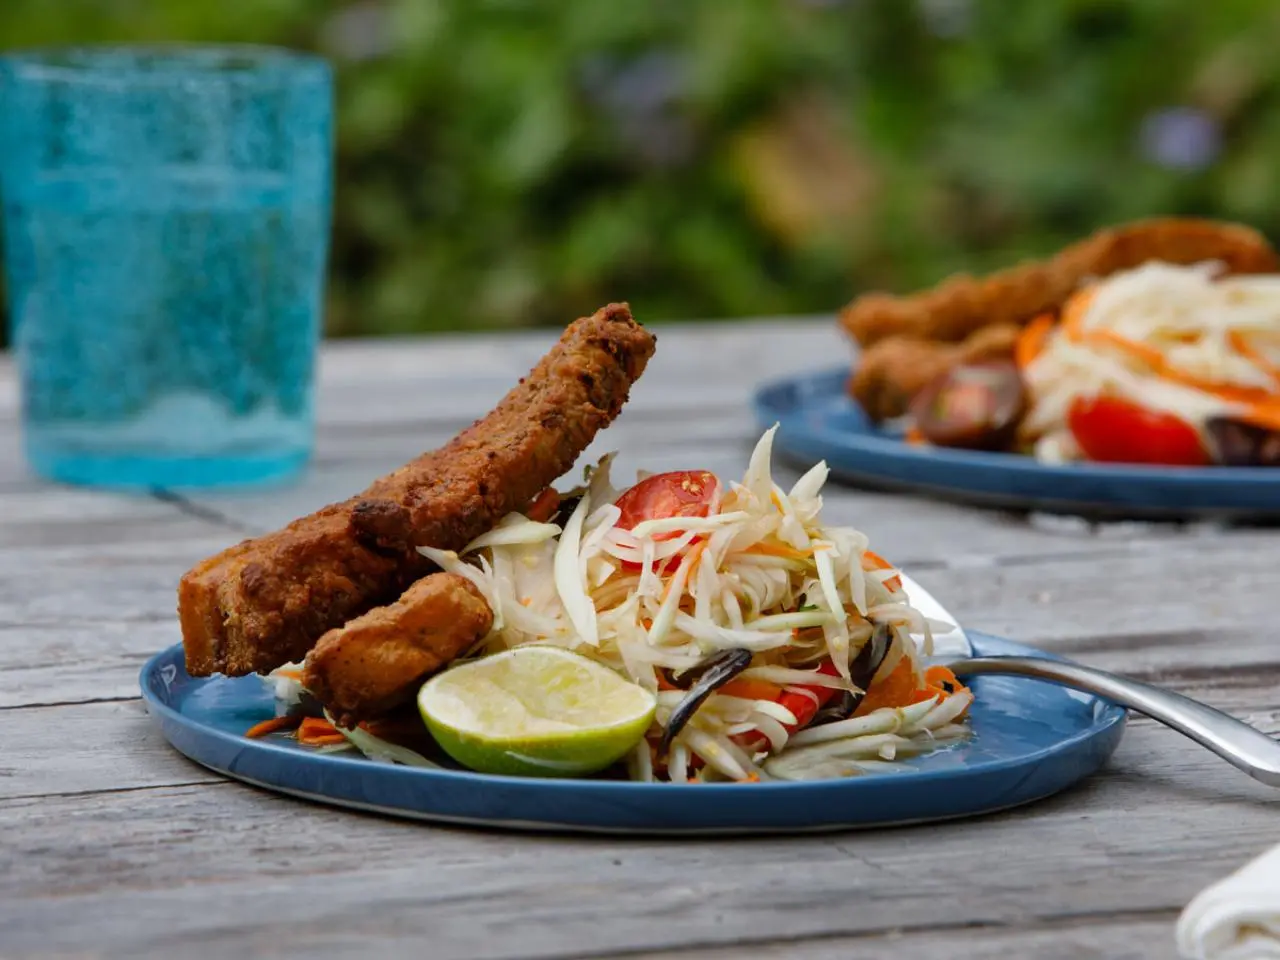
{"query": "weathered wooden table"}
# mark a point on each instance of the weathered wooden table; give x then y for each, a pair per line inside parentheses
(112, 844)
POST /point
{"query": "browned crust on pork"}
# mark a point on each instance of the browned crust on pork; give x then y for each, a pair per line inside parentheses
(375, 662)
(963, 304)
(266, 601)
(890, 373)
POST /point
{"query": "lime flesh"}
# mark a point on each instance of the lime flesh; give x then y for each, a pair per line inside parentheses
(535, 711)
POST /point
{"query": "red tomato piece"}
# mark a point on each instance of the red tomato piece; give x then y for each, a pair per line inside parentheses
(1113, 430)
(682, 493)
(804, 708)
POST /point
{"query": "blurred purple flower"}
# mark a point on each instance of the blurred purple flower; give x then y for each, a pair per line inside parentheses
(642, 98)
(358, 32)
(1181, 138)
(946, 18)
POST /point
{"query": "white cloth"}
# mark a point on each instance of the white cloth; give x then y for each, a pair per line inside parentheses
(1238, 918)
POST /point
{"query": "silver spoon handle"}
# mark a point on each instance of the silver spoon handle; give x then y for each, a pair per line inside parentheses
(1235, 741)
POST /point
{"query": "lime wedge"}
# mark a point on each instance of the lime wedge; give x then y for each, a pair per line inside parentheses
(535, 711)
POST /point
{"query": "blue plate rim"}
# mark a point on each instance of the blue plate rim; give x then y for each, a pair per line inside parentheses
(765, 404)
(1107, 716)
(818, 420)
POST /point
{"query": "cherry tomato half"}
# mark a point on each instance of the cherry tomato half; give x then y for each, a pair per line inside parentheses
(974, 405)
(1112, 430)
(681, 493)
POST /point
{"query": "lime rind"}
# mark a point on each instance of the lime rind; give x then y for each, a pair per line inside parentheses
(535, 711)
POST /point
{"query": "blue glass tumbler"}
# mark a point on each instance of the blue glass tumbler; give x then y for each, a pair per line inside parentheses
(166, 224)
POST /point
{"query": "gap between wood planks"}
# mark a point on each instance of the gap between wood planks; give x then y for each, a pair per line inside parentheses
(1123, 829)
(208, 514)
(896, 940)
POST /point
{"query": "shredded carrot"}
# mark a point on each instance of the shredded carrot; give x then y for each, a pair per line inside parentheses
(749, 689)
(1242, 345)
(1073, 326)
(318, 726)
(1265, 415)
(938, 675)
(899, 688)
(914, 437)
(316, 731)
(695, 554)
(288, 673)
(942, 683)
(873, 561)
(544, 505)
(1074, 309)
(750, 778)
(275, 724)
(1031, 341)
(778, 550)
(1154, 359)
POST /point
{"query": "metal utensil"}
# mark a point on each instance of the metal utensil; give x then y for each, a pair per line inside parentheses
(1241, 745)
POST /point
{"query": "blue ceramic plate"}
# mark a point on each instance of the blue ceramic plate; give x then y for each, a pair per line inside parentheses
(820, 422)
(1031, 739)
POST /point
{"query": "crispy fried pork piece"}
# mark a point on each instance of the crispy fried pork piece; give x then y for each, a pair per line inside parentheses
(266, 601)
(375, 662)
(890, 373)
(962, 304)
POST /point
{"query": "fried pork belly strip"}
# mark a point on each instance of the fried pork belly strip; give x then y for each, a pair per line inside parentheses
(376, 662)
(265, 602)
(963, 304)
(890, 373)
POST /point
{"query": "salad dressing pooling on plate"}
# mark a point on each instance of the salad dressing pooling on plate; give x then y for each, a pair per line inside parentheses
(776, 646)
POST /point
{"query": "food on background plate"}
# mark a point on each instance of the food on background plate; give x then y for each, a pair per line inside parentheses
(977, 406)
(961, 305)
(1172, 359)
(1137, 366)
(751, 640)
(266, 601)
(891, 373)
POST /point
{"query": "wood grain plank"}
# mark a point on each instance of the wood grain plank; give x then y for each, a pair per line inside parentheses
(242, 869)
(126, 581)
(38, 514)
(8, 387)
(77, 662)
(1090, 937)
(84, 748)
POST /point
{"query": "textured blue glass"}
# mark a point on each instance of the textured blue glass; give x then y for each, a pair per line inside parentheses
(166, 224)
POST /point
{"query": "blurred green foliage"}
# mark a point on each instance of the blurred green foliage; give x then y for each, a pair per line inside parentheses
(510, 162)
